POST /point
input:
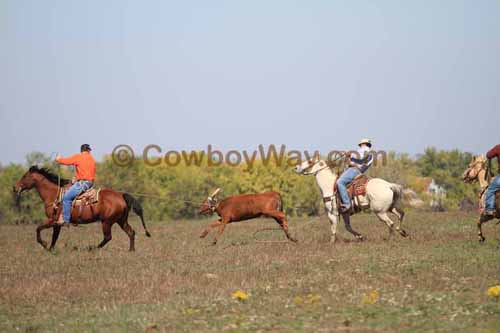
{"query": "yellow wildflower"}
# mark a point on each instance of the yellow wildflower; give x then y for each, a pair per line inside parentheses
(371, 298)
(313, 298)
(240, 295)
(190, 311)
(494, 291)
(309, 299)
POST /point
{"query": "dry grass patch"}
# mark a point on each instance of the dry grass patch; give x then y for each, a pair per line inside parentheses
(437, 280)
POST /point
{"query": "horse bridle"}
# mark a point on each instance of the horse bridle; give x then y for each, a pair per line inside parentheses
(481, 165)
(312, 165)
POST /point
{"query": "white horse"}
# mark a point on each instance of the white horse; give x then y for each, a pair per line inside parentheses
(381, 196)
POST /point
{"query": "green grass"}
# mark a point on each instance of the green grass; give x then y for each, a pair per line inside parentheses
(435, 281)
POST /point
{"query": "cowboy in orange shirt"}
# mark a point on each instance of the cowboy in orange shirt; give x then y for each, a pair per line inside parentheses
(85, 175)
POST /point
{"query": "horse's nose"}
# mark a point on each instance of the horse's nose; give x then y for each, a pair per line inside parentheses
(296, 169)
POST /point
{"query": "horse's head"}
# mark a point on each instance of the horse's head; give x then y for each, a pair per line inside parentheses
(311, 166)
(477, 164)
(27, 182)
(210, 204)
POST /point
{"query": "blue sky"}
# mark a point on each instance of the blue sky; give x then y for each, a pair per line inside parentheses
(236, 74)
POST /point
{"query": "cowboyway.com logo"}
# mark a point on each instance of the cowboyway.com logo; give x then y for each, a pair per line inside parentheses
(152, 155)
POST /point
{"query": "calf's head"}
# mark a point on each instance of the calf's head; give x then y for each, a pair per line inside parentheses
(210, 204)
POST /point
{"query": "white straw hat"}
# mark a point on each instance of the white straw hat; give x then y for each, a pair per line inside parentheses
(365, 141)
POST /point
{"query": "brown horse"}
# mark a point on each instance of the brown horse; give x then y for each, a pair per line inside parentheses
(112, 207)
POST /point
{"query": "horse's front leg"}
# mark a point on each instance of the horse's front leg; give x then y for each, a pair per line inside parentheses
(55, 236)
(333, 218)
(48, 224)
(482, 219)
(347, 223)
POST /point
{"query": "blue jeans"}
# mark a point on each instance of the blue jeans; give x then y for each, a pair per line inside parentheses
(342, 182)
(75, 190)
(490, 193)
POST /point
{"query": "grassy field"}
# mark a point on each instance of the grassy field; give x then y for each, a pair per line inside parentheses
(435, 281)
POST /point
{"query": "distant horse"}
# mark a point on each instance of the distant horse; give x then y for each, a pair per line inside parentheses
(381, 197)
(113, 206)
(478, 170)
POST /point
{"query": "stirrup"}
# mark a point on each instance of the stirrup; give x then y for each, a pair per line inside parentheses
(489, 213)
(344, 208)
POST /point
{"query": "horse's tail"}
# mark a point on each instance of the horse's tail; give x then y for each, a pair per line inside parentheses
(132, 203)
(397, 191)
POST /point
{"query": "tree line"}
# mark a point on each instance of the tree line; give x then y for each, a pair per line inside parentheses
(176, 192)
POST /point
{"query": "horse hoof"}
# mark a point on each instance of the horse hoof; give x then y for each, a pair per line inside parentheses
(482, 239)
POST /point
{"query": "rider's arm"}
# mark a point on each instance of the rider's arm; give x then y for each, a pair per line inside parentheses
(68, 160)
(495, 151)
(364, 156)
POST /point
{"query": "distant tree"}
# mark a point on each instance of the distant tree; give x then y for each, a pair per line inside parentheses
(38, 158)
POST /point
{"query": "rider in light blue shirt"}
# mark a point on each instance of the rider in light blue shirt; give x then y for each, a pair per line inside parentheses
(358, 163)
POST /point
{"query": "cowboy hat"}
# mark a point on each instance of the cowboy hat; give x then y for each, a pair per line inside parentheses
(365, 141)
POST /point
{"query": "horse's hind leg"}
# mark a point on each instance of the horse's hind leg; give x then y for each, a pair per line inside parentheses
(400, 215)
(55, 236)
(382, 216)
(106, 231)
(130, 232)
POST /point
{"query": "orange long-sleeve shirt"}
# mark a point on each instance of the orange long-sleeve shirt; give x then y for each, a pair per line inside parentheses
(84, 163)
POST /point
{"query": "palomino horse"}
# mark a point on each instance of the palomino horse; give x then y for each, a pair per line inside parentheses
(112, 206)
(381, 196)
(478, 170)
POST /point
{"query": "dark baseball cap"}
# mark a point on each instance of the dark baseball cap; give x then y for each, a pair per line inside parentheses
(85, 147)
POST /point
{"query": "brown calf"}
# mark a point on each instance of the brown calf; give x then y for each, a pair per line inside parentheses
(244, 207)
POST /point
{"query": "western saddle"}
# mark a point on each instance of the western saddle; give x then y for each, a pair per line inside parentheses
(89, 197)
(355, 189)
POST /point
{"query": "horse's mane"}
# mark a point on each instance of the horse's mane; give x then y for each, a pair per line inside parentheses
(52, 177)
